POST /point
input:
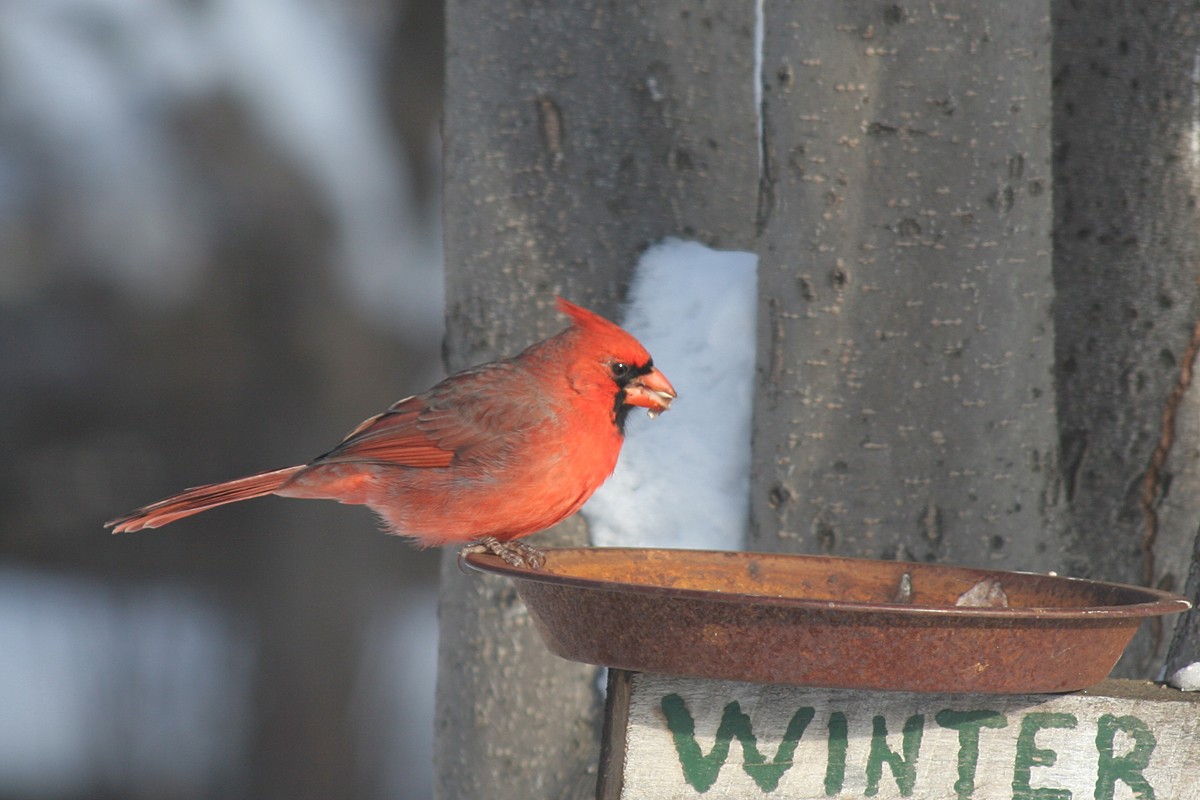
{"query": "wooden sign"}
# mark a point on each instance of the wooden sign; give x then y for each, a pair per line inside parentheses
(669, 737)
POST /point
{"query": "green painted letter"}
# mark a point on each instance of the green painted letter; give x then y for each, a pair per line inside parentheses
(968, 723)
(1029, 755)
(701, 771)
(766, 775)
(835, 769)
(1127, 768)
(904, 769)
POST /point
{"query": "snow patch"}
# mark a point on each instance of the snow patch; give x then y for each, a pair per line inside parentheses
(683, 480)
(1186, 678)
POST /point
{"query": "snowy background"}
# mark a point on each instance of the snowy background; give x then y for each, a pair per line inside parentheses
(219, 249)
(683, 479)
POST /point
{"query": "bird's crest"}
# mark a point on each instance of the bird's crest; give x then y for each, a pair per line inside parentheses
(588, 320)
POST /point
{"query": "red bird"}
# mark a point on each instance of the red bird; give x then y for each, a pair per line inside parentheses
(489, 455)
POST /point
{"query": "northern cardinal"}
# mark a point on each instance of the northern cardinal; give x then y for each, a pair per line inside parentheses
(489, 455)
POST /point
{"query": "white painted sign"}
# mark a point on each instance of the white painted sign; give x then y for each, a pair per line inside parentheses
(689, 738)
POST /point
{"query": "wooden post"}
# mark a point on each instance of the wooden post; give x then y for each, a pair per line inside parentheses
(905, 401)
(675, 738)
(576, 135)
(895, 180)
(1127, 320)
(1185, 643)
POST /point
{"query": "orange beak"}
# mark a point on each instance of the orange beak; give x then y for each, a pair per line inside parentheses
(652, 391)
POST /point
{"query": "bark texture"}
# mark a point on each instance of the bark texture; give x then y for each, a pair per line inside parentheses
(926, 351)
(1127, 162)
(575, 136)
(905, 403)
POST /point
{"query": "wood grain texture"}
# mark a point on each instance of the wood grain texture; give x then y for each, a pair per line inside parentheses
(575, 135)
(1126, 257)
(905, 404)
(688, 738)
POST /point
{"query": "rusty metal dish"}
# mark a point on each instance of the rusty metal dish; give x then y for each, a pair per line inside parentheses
(828, 622)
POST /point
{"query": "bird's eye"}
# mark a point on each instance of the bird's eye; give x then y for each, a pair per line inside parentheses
(621, 370)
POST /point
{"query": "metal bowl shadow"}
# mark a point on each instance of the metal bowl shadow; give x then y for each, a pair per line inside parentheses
(828, 622)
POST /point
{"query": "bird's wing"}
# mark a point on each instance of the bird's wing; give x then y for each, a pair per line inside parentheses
(475, 413)
(393, 437)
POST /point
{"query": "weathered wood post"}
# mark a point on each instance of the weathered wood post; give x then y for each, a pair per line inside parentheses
(681, 738)
(891, 165)
(905, 403)
(576, 135)
(1127, 315)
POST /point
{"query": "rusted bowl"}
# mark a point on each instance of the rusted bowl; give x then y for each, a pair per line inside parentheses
(829, 622)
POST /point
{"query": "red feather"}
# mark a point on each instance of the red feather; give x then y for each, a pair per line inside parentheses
(492, 453)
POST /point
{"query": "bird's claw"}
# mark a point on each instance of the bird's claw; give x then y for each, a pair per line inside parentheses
(514, 553)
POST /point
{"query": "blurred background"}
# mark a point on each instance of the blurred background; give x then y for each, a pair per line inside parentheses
(219, 250)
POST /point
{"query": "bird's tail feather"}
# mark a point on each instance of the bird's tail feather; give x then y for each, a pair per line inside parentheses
(202, 498)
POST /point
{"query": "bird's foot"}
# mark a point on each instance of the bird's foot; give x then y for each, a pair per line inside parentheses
(514, 553)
